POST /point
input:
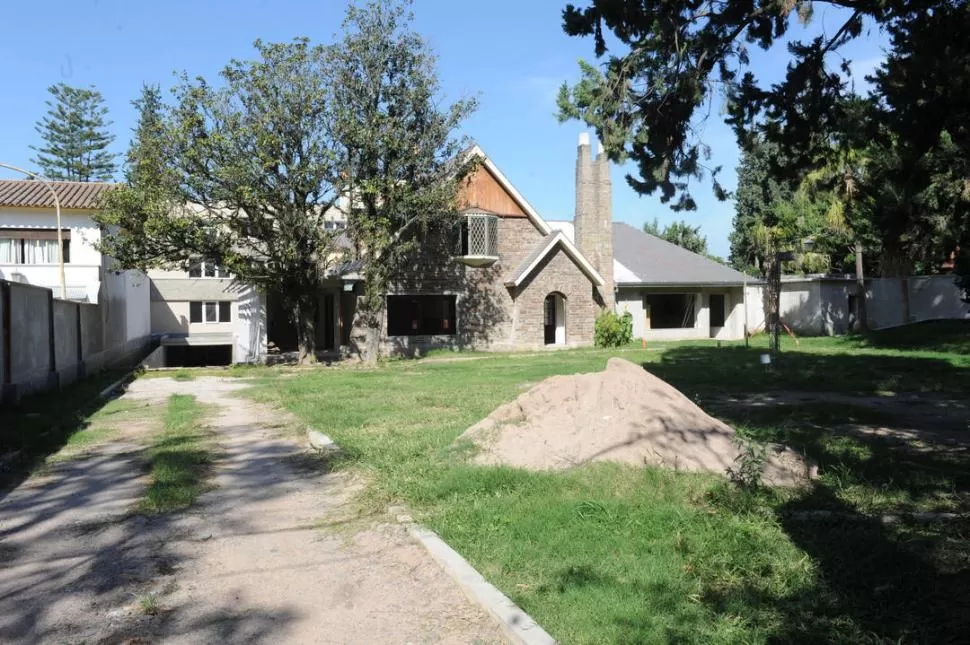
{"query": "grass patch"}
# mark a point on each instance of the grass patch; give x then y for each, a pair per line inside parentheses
(179, 455)
(607, 553)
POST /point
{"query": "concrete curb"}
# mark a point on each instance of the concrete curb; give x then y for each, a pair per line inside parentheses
(119, 384)
(517, 625)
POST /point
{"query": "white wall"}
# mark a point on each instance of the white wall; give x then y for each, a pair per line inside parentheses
(814, 306)
(632, 300)
(246, 331)
(250, 327)
(82, 272)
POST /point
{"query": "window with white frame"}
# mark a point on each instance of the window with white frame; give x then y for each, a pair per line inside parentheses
(210, 311)
(334, 225)
(33, 246)
(207, 270)
(479, 235)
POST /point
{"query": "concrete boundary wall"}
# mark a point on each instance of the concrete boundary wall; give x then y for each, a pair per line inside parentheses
(822, 306)
(47, 343)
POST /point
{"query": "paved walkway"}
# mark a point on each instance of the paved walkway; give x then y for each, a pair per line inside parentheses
(262, 557)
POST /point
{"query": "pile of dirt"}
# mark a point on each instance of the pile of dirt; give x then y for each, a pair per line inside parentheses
(622, 414)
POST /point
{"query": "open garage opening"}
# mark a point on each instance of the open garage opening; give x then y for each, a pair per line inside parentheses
(198, 356)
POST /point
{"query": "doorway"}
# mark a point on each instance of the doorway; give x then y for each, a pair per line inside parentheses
(554, 330)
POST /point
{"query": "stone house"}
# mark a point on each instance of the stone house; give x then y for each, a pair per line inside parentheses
(517, 282)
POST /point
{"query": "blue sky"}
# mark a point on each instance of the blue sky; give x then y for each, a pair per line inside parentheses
(513, 55)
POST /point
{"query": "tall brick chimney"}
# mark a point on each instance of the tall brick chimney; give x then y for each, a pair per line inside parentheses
(594, 213)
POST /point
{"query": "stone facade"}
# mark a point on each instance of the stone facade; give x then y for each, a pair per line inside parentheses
(594, 214)
(556, 274)
(491, 315)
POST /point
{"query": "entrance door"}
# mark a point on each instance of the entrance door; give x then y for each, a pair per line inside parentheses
(554, 330)
(328, 314)
(550, 327)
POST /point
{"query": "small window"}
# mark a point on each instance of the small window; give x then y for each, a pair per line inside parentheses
(334, 225)
(421, 315)
(207, 270)
(210, 312)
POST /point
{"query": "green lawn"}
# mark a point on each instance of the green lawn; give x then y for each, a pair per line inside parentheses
(611, 554)
(179, 456)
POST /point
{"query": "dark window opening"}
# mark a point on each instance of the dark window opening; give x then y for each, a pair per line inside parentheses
(717, 309)
(421, 315)
(195, 312)
(671, 310)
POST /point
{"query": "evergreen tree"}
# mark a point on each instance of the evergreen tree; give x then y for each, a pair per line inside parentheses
(76, 136)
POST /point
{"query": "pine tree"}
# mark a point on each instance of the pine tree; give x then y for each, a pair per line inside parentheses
(76, 136)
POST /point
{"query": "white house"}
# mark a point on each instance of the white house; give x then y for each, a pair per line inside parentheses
(29, 253)
(28, 236)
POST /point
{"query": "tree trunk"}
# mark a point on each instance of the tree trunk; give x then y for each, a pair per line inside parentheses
(305, 319)
(860, 291)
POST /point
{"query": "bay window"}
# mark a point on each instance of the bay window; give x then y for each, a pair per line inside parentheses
(479, 237)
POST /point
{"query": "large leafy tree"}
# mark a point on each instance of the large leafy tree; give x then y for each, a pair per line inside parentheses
(245, 174)
(399, 151)
(76, 136)
(666, 61)
(242, 175)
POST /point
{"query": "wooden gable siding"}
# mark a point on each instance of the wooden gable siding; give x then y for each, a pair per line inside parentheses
(482, 190)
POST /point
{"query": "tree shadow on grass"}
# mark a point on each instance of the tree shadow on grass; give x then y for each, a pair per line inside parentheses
(696, 369)
(876, 582)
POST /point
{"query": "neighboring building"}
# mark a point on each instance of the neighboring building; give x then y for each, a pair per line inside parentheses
(29, 254)
(203, 316)
(28, 236)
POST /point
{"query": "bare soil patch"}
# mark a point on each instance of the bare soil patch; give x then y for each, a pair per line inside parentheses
(622, 414)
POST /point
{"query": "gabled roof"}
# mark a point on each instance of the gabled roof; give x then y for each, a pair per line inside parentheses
(25, 193)
(531, 213)
(545, 246)
(641, 259)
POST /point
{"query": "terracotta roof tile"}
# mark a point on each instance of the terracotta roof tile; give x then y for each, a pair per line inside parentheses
(34, 194)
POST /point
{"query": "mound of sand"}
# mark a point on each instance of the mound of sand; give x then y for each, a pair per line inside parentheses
(622, 414)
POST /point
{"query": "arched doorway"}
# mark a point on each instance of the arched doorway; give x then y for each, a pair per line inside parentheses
(555, 319)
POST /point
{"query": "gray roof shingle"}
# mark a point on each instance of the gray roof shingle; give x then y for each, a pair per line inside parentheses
(657, 262)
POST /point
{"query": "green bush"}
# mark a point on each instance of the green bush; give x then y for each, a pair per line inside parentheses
(613, 330)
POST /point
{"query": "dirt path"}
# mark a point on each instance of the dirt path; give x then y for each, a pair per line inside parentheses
(253, 562)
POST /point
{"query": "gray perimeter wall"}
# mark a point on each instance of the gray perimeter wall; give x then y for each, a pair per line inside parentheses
(46, 343)
(820, 306)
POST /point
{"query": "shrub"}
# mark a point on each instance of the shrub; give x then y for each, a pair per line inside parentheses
(613, 330)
